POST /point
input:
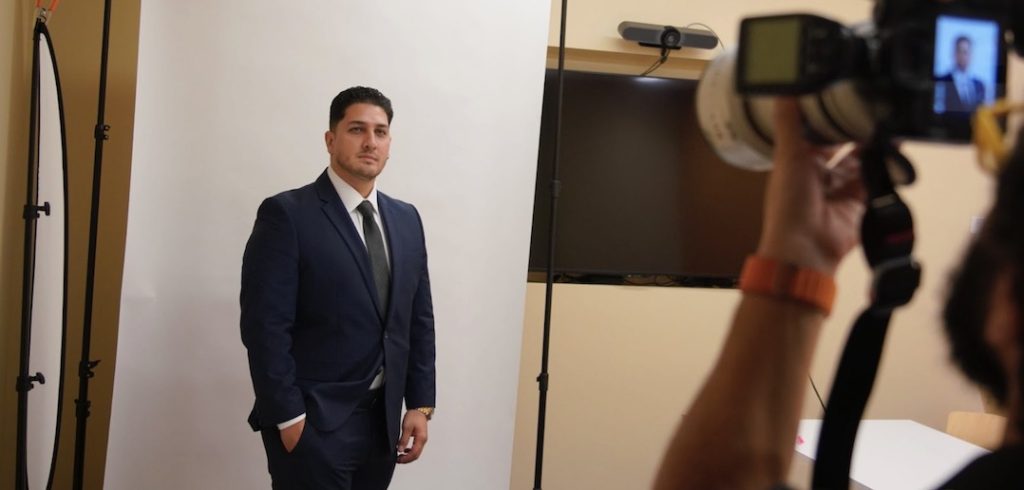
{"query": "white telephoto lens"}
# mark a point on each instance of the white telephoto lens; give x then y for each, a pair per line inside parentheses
(839, 113)
(741, 128)
(738, 128)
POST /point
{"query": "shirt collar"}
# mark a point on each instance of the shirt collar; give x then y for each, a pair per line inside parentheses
(350, 197)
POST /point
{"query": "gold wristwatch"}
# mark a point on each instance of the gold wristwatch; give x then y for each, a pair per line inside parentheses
(428, 411)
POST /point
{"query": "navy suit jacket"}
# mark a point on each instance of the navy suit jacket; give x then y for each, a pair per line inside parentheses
(309, 319)
(951, 96)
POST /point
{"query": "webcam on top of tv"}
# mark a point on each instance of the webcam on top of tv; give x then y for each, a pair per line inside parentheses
(668, 37)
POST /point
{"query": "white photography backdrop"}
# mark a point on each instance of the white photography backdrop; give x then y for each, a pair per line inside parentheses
(232, 104)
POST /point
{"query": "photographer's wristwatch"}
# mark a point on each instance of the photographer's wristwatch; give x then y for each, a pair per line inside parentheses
(777, 279)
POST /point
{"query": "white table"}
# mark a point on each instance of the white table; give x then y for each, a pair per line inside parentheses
(891, 454)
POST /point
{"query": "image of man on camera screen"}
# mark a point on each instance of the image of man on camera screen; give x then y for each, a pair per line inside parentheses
(961, 91)
(965, 71)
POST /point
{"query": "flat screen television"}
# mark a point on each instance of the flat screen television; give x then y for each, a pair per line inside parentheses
(644, 199)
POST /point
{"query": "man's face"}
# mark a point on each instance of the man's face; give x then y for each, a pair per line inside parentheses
(360, 142)
(963, 54)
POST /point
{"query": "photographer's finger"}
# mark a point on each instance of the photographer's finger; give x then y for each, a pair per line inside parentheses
(788, 124)
(846, 179)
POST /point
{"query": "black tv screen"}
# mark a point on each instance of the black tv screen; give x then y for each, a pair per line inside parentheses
(642, 193)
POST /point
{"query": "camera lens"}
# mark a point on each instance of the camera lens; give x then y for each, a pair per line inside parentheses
(671, 37)
(740, 128)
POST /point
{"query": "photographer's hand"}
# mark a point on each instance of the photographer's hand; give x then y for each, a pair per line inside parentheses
(812, 212)
(740, 430)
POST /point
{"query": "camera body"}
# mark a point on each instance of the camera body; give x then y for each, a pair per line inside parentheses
(918, 71)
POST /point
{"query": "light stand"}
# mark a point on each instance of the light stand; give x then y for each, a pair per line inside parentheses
(85, 366)
(542, 378)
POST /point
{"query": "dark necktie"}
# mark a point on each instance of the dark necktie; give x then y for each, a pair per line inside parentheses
(378, 258)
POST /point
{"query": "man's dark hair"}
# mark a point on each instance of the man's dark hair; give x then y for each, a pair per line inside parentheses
(962, 39)
(998, 249)
(358, 95)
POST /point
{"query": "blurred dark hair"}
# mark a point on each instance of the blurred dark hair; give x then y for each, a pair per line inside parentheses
(358, 95)
(998, 249)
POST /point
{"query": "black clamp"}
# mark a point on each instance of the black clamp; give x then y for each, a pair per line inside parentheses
(84, 372)
(101, 132)
(85, 369)
(32, 212)
(82, 408)
(26, 383)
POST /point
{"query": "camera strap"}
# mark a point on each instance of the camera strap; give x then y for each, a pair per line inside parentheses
(887, 235)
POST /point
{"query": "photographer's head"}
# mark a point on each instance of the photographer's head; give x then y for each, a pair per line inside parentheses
(983, 311)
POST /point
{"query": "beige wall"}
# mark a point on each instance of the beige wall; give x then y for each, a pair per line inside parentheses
(76, 30)
(626, 361)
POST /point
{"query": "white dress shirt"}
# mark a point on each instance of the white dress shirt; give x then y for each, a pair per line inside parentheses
(965, 87)
(351, 199)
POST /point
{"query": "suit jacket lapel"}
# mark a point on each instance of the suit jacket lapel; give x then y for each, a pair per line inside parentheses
(393, 242)
(335, 211)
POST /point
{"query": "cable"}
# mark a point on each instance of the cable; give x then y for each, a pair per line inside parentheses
(657, 64)
(705, 26)
(816, 393)
(64, 302)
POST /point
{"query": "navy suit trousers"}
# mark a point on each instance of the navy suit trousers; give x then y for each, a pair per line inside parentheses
(355, 456)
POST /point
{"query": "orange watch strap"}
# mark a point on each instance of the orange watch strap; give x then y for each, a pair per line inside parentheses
(782, 280)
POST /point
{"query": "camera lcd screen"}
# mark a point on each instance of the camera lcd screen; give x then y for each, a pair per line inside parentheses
(966, 66)
(773, 56)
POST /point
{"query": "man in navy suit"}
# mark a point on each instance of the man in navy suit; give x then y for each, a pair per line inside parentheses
(958, 90)
(337, 318)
